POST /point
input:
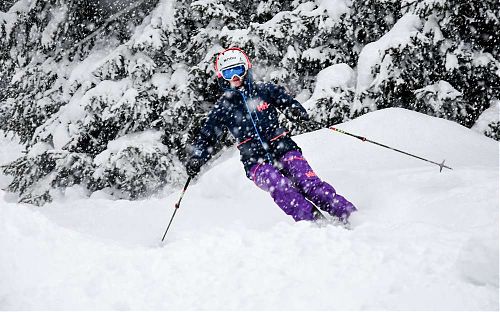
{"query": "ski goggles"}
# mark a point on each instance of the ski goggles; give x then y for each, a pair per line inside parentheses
(230, 72)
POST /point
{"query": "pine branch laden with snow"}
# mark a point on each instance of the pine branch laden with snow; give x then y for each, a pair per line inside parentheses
(488, 122)
(75, 81)
(427, 47)
(42, 171)
(135, 165)
(334, 90)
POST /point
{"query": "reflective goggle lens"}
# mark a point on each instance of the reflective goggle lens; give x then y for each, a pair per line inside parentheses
(229, 73)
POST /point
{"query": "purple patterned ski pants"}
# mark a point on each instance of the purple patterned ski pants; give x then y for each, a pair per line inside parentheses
(295, 184)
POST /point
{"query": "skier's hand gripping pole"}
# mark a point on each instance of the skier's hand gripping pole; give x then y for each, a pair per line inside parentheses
(177, 205)
(441, 165)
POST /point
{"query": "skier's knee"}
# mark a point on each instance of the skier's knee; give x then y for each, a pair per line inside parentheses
(321, 190)
(294, 204)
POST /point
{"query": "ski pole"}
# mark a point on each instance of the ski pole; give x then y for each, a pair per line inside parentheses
(177, 207)
(441, 165)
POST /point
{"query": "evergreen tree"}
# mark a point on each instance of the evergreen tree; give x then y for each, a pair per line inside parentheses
(453, 49)
(40, 102)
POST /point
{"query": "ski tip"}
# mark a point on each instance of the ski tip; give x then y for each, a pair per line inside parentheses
(347, 225)
(335, 221)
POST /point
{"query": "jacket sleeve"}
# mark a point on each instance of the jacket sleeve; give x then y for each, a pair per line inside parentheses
(292, 109)
(205, 142)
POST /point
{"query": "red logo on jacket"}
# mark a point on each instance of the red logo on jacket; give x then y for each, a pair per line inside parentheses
(262, 106)
(310, 174)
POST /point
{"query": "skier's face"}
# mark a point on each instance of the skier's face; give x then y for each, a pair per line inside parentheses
(234, 74)
(236, 82)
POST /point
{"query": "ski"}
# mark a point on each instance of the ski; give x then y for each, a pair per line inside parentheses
(323, 221)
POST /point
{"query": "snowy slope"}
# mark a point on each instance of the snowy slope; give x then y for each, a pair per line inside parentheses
(421, 239)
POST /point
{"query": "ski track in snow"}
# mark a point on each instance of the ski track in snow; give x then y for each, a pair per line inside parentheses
(422, 240)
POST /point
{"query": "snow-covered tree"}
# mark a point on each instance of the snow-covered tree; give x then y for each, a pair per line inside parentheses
(435, 44)
(51, 45)
(488, 122)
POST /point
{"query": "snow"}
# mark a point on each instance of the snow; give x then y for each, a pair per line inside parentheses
(180, 77)
(38, 149)
(335, 8)
(330, 79)
(10, 151)
(146, 141)
(129, 97)
(291, 54)
(312, 54)
(371, 53)
(422, 240)
(431, 25)
(152, 31)
(443, 90)
(83, 71)
(484, 60)
(238, 37)
(8, 19)
(58, 15)
(490, 115)
(66, 123)
(270, 25)
(451, 62)
(164, 82)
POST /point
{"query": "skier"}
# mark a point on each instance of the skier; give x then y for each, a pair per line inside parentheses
(272, 160)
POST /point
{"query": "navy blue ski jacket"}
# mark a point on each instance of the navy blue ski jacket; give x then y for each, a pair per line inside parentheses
(251, 116)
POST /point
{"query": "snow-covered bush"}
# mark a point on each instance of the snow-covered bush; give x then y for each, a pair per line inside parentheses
(135, 165)
(333, 94)
(43, 170)
(488, 122)
(441, 100)
(434, 41)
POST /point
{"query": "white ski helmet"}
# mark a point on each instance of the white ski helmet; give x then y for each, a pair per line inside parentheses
(229, 58)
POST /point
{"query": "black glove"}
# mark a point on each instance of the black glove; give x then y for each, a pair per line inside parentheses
(193, 166)
(298, 113)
